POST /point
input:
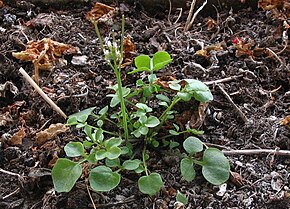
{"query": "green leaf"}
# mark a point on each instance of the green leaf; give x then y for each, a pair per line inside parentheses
(192, 145)
(98, 135)
(200, 91)
(143, 130)
(185, 96)
(187, 170)
(131, 164)
(113, 142)
(152, 78)
(155, 143)
(113, 153)
(72, 121)
(112, 162)
(216, 167)
(173, 132)
(64, 174)
(115, 100)
(173, 144)
(88, 131)
(176, 127)
(150, 184)
(82, 116)
(100, 154)
(139, 82)
(104, 110)
(181, 198)
(102, 179)
(74, 149)
(142, 63)
(144, 107)
(140, 169)
(161, 59)
(152, 121)
(194, 131)
(91, 158)
(174, 85)
(162, 97)
(100, 123)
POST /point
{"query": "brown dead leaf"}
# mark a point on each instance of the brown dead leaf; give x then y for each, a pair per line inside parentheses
(17, 138)
(197, 118)
(237, 179)
(43, 54)
(129, 52)
(270, 4)
(243, 47)
(285, 121)
(211, 24)
(52, 161)
(164, 81)
(101, 13)
(205, 52)
(49, 133)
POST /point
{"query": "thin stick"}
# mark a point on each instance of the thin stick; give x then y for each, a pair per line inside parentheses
(223, 80)
(275, 55)
(90, 195)
(239, 111)
(196, 13)
(257, 152)
(169, 12)
(11, 173)
(11, 194)
(44, 96)
(186, 27)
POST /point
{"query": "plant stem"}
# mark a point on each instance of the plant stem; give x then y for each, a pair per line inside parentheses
(123, 106)
(163, 117)
(143, 158)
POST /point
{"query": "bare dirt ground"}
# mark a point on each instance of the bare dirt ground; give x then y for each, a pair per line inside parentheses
(258, 82)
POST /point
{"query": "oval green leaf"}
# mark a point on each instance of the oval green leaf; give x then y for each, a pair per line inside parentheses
(216, 167)
(131, 164)
(113, 153)
(181, 198)
(150, 184)
(161, 59)
(187, 170)
(64, 174)
(152, 121)
(192, 145)
(200, 91)
(74, 149)
(113, 142)
(102, 179)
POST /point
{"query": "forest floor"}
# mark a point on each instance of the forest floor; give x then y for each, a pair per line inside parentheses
(248, 48)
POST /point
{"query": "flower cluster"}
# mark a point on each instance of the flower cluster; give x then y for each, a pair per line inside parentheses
(112, 51)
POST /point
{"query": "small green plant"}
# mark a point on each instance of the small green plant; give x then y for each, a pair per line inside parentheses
(138, 126)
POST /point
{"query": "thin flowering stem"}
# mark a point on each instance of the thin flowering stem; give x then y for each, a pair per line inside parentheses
(117, 57)
(99, 36)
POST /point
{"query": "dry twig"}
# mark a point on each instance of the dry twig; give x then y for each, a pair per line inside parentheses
(257, 152)
(44, 96)
(191, 17)
(239, 111)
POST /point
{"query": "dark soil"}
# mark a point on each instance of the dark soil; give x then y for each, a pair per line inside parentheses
(260, 88)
